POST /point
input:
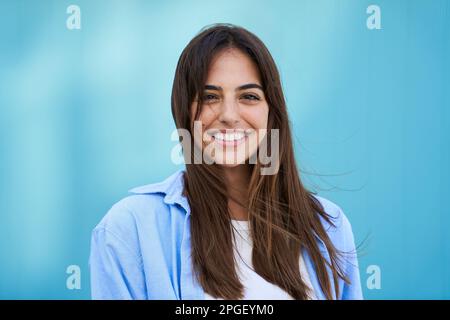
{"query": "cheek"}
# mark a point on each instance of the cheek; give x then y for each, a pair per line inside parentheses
(207, 117)
(257, 117)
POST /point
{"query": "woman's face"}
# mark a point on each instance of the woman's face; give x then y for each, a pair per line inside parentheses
(235, 112)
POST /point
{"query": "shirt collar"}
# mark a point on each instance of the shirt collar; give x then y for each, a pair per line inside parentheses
(172, 188)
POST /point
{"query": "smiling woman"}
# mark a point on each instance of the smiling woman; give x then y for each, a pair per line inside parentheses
(222, 229)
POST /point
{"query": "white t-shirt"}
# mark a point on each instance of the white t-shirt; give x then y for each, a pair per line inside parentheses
(256, 287)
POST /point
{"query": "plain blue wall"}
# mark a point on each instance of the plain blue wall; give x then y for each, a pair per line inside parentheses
(85, 115)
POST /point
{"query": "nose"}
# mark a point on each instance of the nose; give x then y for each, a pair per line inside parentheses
(229, 113)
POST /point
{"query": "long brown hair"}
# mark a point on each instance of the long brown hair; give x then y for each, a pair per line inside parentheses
(284, 217)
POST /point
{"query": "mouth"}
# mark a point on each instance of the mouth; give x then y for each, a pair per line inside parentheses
(230, 137)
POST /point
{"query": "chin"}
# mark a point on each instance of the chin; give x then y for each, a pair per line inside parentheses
(230, 165)
(230, 160)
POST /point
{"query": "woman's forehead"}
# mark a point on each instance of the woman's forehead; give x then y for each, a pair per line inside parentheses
(232, 68)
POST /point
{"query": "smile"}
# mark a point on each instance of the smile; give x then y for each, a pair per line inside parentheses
(229, 137)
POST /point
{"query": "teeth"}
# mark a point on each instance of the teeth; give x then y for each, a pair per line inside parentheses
(229, 136)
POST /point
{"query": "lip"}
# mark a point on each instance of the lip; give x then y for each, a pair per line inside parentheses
(247, 132)
(232, 143)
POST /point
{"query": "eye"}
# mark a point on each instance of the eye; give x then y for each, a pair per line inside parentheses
(208, 97)
(251, 97)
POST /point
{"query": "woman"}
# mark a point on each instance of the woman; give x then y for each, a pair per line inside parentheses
(232, 225)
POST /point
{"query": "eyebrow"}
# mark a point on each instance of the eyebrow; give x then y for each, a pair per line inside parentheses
(243, 87)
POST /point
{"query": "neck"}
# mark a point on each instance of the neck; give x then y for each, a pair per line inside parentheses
(237, 180)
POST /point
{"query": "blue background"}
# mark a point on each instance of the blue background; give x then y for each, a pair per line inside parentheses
(85, 115)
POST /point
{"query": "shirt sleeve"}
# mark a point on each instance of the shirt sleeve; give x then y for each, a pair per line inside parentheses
(116, 271)
(353, 290)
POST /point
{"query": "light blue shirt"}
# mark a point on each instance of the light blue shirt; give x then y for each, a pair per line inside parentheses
(141, 248)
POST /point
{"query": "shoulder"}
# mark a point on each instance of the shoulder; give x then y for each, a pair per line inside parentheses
(340, 229)
(142, 208)
(126, 212)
